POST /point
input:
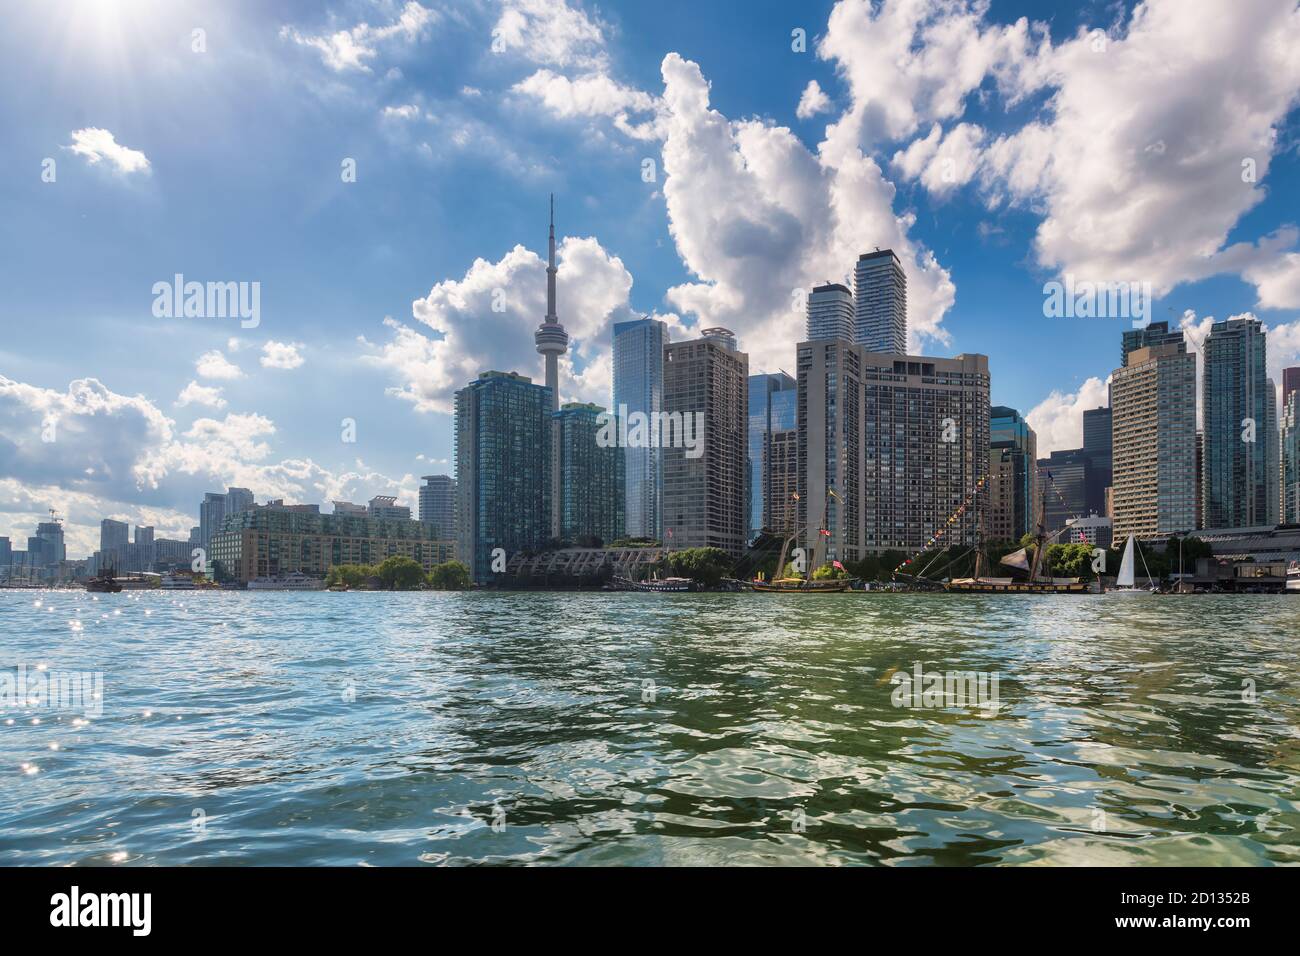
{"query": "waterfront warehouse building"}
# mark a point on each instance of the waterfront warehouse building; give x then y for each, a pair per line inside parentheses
(706, 398)
(591, 475)
(639, 388)
(272, 540)
(503, 469)
(890, 446)
(1240, 471)
(1153, 448)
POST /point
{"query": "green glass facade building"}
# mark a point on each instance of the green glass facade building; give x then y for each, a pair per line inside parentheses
(591, 477)
(503, 469)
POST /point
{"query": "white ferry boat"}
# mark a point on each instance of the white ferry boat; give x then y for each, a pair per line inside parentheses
(176, 582)
(1293, 577)
(295, 581)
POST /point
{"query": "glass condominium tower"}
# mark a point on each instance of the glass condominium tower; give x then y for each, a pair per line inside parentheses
(830, 313)
(773, 408)
(639, 387)
(1238, 402)
(503, 469)
(591, 478)
(880, 302)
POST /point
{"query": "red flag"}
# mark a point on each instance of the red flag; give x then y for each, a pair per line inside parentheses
(838, 565)
(825, 532)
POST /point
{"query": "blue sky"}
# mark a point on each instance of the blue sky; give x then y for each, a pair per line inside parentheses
(1114, 155)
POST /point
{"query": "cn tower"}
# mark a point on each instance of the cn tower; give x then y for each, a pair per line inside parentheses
(552, 342)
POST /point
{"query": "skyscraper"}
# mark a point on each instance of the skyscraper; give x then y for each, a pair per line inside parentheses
(1097, 447)
(639, 388)
(552, 342)
(880, 302)
(1149, 336)
(591, 478)
(386, 507)
(50, 534)
(1290, 382)
(1154, 445)
(212, 512)
(1240, 417)
(1063, 483)
(114, 536)
(773, 401)
(890, 446)
(438, 505)
(1013, 479)
(704, 496)
(1290, 463)
(503, 469)
(830, 313)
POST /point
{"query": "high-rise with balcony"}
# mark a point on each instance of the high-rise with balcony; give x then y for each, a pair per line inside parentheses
(1240, 417)
(591, 477)
(830, 313)
(773, 408)
(438, 504)
(503, 469)
(890, 447)
(639, 389)
(880, 302)
(1153, 446)
(704, 488)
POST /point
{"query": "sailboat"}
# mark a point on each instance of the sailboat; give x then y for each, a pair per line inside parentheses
(1124, 583)
(806, 584)
(1036, 583)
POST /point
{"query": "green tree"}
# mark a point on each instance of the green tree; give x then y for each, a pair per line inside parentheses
(449, 576)
(351, 575)
(706, 566)
(828, 572)
(400, 573)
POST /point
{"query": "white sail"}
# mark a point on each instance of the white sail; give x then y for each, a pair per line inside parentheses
(1125, 579)
(1017, 559)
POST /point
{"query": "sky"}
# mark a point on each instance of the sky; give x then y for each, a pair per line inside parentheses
(381, 169)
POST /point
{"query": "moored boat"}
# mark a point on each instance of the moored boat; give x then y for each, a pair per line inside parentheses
(294, 581)
(104, 583)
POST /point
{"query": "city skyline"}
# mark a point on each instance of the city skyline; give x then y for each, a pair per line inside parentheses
(152, 413)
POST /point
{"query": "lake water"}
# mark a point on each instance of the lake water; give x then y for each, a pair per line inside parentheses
(374, 729)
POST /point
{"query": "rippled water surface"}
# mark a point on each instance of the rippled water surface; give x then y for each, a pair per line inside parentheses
(382, 729)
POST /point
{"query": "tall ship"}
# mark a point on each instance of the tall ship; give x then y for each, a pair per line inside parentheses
(104, 583)
(805, 584)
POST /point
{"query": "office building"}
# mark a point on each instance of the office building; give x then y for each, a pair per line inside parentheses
(1240, 417)
(1153, 414)
(890, 447)
(591, 478)
(273, 540)
(830, 313)
(114, 537)
(237, 500)
(880, 302)
(1096, 530)
(638, 389)
(1013, 477)
(1063, 483)
(1290, 382)
(212, 512)
(1097, 425)
(1152, 335)
(706, 389)
(503, 468)
(773, 408)
(438, 504)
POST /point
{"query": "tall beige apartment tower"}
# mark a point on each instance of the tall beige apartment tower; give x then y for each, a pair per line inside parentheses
(890, 446)
(1153, 422)
(706, 383)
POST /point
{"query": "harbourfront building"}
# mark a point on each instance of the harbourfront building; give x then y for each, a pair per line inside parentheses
(706, 396)
(1063, 483)
(830, 313)
(1097, 440)
(1013, 478)
(503, 468)
(438, 504)
(1153, 407)
(1240, 416)
(591, 477)
(639, 388)
(880, 302)
(273, 540)
(773, 408)
(890, 447)
(1290, 467)
(114, 537)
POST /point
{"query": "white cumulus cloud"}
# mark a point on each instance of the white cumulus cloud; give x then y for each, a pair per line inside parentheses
(212, 364)
(99, 145)
(283, 355)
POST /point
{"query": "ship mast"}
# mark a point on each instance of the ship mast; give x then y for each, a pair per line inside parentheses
(1040, 537)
